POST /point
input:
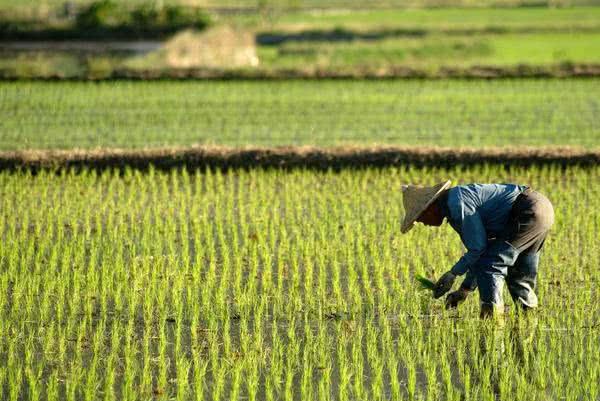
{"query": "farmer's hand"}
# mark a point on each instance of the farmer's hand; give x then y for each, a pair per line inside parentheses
(456, 297)
(444, 284)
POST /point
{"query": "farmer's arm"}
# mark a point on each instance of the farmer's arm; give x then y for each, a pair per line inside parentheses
(462, 211)
(473, 234)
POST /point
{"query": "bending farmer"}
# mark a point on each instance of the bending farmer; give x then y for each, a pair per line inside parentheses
(503, 227)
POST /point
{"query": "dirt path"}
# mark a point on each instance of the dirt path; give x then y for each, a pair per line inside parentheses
(293, 157)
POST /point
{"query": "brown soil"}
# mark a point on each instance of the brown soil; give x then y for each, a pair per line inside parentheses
(565, 70)
(292, 157)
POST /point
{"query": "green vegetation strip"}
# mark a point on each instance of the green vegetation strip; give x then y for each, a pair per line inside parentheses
(450, 113)
(449, 19)
(268, 285)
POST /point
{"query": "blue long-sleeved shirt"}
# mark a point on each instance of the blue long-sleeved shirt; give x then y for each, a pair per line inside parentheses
(478, 212)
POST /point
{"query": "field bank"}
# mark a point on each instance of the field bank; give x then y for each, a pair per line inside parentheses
(276, 285)
(292, 157)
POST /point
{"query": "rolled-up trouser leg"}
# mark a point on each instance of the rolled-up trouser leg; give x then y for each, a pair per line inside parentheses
(491, 270)
(521, 280)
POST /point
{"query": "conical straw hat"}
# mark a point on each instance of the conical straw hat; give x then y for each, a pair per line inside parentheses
(416, 199)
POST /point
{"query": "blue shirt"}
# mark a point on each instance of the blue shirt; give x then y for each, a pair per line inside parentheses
(478, 212)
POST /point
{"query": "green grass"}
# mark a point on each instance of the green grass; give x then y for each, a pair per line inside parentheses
(446, 18)
(435, 52)
(323, 113)
(545, 49)
(431, 39)
(268, 285)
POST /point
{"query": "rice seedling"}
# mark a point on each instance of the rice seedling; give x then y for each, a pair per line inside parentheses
(322, 113)
(426, 284)
(266, 284)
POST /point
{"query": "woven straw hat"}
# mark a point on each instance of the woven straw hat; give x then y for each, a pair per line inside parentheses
(416, 199)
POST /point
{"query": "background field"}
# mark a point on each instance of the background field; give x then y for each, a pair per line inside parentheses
(275, 285)
(429, 39)
(316, 43)
(444, 112)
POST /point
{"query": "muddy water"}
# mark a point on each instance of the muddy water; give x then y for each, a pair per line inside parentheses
(135, 47)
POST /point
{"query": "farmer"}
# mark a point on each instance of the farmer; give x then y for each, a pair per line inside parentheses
(503, 227)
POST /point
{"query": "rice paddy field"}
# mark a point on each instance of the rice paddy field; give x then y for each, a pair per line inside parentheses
(183, 283)
(275, 285)
(475, 113)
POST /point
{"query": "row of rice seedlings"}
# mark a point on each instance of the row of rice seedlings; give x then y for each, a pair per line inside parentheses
(44, 115)
(275, 285)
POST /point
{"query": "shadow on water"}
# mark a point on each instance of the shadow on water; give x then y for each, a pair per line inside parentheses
(127, 47)
(334, 35)
(342, 34)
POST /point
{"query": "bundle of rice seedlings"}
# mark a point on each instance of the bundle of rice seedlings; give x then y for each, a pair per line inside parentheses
(426, 284)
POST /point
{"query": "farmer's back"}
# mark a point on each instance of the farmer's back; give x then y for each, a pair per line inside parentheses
(492, 202)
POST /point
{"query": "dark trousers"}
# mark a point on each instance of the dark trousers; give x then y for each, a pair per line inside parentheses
(514, 256)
